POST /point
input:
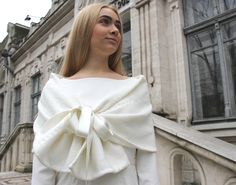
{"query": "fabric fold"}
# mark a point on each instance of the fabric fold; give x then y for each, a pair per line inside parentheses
(88, 141)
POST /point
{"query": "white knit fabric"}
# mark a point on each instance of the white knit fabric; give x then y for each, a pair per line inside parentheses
(86, 128)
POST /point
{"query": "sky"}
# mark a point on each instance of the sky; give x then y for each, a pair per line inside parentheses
(15, 11)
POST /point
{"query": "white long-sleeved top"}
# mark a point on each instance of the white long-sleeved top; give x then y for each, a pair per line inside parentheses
(96, 131)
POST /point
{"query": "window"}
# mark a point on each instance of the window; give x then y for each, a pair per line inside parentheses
(17, 105)
(35, 94)
(126, 53)
(1, 112)
(210, 27)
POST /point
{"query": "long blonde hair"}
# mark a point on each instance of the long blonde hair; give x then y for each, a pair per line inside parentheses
(78, 45)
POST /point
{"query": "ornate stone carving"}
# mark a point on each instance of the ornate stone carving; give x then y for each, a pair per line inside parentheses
(18, 79)
(173, 4)
(79, 4)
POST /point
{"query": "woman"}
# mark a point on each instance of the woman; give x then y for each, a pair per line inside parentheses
(94, 124)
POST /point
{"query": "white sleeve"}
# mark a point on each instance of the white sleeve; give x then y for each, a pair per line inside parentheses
(41, 175)
(146, 164)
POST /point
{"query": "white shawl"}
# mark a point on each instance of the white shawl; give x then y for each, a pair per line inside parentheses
(88, 141)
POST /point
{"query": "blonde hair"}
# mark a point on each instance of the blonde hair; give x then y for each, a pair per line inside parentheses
(78, 45)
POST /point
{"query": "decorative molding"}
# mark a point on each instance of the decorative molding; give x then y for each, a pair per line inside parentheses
(63, 42)
(35, 68)
(79, 4)
(173, 5)
(140, 3)
(18, 79)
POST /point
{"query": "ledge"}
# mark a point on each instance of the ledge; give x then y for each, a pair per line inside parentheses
(202, 144)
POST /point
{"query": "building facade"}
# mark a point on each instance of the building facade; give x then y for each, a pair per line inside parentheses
(186, 51)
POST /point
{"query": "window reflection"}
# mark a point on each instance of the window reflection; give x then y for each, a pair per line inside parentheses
(35, 94)
(212, 54)
(201, 10)
(229, 35)
(17, 104)
(126, 53)
(197, 11)
(206, 74)
(203, 39)
(227, 4)
(229, 30)
(1, 112)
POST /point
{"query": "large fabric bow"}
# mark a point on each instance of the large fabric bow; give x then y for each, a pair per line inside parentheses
(80, 129)
(89, 142)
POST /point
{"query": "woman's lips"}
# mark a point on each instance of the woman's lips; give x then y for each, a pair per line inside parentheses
(112, 40)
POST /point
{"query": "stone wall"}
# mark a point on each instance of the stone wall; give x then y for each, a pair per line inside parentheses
(15, 154)
(186, 156)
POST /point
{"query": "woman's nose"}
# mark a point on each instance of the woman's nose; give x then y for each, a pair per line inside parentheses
(114, 30)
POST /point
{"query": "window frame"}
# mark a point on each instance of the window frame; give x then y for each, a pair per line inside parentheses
(216, 22)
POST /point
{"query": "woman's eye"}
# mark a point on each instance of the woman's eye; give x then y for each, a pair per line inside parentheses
(105, 21)
(118, 26)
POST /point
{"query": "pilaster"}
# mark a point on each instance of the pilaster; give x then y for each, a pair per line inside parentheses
(180, 62)
(145, 54)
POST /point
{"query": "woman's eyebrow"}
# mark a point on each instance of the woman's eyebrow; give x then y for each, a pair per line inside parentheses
(110, 18)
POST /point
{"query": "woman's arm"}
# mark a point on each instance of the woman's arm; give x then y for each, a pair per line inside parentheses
(42, 175)
(146, 164)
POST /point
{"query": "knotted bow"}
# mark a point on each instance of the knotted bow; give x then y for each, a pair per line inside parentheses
(80, 139)
(71, 137)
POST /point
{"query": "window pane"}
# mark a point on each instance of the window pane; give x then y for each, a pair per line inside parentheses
(229, 36)
(208, 92)
(17, 114)
(227, 4)
(1, 112)
(17, 104)
(126, 53)
(36, 83)
(230, 49)
(35, 106)
(198, 11)
(203, 39)
(229, 30)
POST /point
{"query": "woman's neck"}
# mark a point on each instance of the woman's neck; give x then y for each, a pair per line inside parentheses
(96, 64)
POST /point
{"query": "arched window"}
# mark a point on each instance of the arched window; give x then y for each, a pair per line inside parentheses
(185, 169)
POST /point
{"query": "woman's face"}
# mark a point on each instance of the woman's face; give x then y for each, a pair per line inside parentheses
(106, 35)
